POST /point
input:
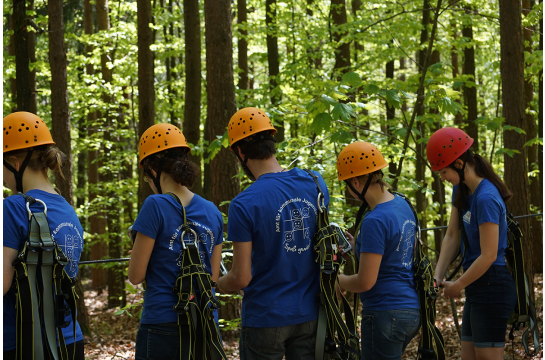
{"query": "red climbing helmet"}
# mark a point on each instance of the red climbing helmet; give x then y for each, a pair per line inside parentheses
(445, 146)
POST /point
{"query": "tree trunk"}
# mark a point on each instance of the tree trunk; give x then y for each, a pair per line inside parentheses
(540, 148)
(146, 91)
(536, 193)
(242, 21)
(60, 115)
(274, 64)
(516, 170)
(22, 71)
(342, 51)
(314, 54)
(390, 115)
(11, 52)
(470, 92)
(32, 60)
(358, 47)
(192, 110)
(458, 118)
(221, 106)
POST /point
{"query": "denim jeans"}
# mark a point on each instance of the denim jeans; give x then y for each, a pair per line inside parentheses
(386, 334)
(79, 353)
(490, 300)
(158, 342)
(297, 342)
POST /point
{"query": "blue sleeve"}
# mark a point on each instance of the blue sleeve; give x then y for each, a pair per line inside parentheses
(454, 191)
(219, 220)
(15, 223)
(372, 236)
(489, 209)
(149, 221)
(239, 226)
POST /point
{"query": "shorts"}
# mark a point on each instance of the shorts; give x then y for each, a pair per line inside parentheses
(490, 301)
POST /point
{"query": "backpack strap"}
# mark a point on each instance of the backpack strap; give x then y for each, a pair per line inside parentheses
(196, 302)
(335, 336)
(427, 290)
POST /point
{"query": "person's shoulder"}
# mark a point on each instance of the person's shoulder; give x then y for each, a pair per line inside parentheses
(202, 203)
(487, 191)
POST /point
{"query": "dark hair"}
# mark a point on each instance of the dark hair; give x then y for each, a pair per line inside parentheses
(44, 157)
(176, 164)
(259, 146)
(484, 170)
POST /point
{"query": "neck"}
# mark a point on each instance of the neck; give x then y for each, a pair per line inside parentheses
(169, 185)
(261, 167)
(375, 196)
(472, 180)
(35, 180)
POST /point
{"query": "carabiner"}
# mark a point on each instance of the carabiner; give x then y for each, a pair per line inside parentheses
(322, 206)
(30, 212)
(182, 237)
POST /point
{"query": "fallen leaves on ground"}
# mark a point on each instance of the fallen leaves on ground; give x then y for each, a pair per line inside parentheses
(114, 336)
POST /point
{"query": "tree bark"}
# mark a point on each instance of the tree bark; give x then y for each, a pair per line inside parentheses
(146, 91)
(221, 106)
(22, 71)
(192, 110)
(470, 92)
(11, 52)
(536, 192)
(60, 113)
(342, 51)
(458, 118)
(242, 21)
(274, 64)
(516, 170)
(32, 59)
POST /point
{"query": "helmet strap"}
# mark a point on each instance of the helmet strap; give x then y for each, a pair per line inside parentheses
(244, 166)
(461, 172)
(19, 174)
(157, 179)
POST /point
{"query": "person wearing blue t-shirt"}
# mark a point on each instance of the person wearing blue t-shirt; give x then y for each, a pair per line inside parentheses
(28, 154)
(479, 198)
(272, 224)
(157, 252)
(385, 244)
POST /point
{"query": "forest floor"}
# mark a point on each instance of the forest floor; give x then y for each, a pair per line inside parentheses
(113, 336)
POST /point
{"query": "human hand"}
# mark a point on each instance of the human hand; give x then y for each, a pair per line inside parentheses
(439, 284)
(451, 289)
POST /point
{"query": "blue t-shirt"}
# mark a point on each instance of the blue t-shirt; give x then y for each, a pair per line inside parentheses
(389, 230)
(484, 205)
(65, 229)
(161, 218)
(278, 213)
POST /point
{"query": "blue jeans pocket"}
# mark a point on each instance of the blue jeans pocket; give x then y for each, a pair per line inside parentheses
(262, 340)
(162, 345)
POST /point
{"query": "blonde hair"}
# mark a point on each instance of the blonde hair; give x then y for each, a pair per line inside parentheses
(377, 178)
(44, 157)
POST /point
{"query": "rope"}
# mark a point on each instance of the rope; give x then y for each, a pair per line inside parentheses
(231, 250)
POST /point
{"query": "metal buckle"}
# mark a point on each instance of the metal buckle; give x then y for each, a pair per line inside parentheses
(182, 237)
(30, 212)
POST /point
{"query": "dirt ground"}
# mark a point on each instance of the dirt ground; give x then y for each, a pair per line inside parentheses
(113, 336)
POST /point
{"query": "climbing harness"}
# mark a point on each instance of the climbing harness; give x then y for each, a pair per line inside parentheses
(336, 338)
(45, 293)
(196, 302)
(426, 288)
(524, 311)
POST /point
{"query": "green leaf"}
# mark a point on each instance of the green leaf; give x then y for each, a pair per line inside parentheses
(351, 78)
(392, 98)
(119, 312)
(328, 100)
(509, 152)
(342, 137)
(534, 141)
(322, 121)
(511, 127)
(371, 89)
(343, 111)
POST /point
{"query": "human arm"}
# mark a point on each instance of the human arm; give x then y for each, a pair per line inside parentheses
(488, 239)
(215, 261)
(367, 274)
(141, 252)
(241, 273)
(449, 246)
(9, 256)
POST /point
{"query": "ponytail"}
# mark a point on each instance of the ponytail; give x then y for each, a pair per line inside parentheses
(176, 164)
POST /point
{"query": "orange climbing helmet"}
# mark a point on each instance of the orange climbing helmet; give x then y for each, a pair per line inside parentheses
(445, 146)
(359, 158)
(160, 137)
(247, 122)
(23, 130)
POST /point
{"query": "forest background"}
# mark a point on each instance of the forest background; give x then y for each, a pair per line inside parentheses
(327, 72)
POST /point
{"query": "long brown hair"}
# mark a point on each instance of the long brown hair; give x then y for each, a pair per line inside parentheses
(482, 169)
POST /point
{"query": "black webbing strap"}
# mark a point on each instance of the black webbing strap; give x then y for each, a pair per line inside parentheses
(196, 302)
(335, 336)
(525, 309)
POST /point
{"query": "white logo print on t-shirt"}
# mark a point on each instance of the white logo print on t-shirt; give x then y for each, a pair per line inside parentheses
(406, 243)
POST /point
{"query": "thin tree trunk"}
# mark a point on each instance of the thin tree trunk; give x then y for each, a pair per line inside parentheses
(390, 114)
(314, 54)
(516, 170)
(221, 106)
(60, 113)
(274, 64)
(242, 21)
(22, 71)
(358, 47)
(11, 52)
(458, 118)
(32, 60)
(342, 51)
(146, 91)
(470, 92)
(192, 110)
